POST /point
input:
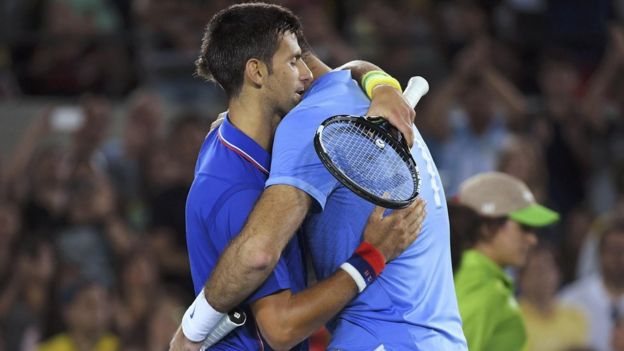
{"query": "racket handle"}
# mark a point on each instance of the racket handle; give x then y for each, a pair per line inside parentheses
(416, 88)
(229, 322)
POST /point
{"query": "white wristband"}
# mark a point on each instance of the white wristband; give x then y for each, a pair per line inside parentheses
(200, 319)
(355, 274)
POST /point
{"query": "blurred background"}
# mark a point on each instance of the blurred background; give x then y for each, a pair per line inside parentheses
(101, 119)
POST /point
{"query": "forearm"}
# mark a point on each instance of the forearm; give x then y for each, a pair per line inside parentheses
(286, 319)
(252, 255)
(316, 66)
(312, 308)
(359, 68)
(238, 273)
(291, 320)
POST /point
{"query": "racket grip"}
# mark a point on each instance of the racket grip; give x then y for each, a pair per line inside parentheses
(229, 322)
(416, 88)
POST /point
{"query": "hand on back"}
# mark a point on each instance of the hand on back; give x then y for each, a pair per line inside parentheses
(392, 234)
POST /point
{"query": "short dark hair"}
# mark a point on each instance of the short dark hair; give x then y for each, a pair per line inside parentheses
(464, 226)
(468, 229)
(241, 32)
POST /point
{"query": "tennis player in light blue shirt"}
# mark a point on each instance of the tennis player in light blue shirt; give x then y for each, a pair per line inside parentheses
(412, 306)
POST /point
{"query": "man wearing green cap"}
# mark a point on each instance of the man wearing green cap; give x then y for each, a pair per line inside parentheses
(503, 218)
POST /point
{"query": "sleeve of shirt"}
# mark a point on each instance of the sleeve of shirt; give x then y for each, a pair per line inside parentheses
(294, 160)
(232, 217)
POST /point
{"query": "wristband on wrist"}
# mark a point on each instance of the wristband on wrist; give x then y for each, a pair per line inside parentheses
(200, 319)
(364, 265)
(374, 78)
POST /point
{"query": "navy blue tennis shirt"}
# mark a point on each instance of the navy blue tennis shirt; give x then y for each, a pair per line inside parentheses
(229, 177)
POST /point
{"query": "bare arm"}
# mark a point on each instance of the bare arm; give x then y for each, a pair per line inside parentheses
(286, 319)
(252, 255)
(386, 101)
(359, 68)
(316, 66)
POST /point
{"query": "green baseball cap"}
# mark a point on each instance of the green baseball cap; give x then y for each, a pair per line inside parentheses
(495, 194)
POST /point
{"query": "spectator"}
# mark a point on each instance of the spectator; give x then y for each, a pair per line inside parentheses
(45, 199)
(164, 318)
(32, 284)
(601, 295)
(84, 331)
(138, 274)
(143, 127)
(603, 107)
(551, 325)
(463, 221)
(167, 196)
(75, 51)
(589, 256)
(87, 139)
(507, 217)
(578, 245)
(521, 158)
(562, 131)
(188, 130)
(468, 117)
(95, 235)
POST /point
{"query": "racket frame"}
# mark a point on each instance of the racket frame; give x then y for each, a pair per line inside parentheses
(398, 146)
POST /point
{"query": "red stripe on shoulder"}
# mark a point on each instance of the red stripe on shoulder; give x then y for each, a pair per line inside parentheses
(242, 154)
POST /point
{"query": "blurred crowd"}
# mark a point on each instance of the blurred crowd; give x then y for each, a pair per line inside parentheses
(92, 220)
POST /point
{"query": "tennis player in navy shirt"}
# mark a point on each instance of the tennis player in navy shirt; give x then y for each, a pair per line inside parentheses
(231, 171)
(229, 177)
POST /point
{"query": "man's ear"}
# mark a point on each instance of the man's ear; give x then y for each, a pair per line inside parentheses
(256, 72)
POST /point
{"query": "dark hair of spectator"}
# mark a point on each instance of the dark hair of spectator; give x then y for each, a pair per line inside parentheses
(468, 229)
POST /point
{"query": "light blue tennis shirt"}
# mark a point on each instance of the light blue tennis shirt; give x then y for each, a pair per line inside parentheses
(412, 305)
(229, 177)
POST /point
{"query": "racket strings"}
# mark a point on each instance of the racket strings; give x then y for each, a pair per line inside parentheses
(369, 159)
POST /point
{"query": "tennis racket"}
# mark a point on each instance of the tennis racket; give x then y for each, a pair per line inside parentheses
(367, 158)
(229, 322)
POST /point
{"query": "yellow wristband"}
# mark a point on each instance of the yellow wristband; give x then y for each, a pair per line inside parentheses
(375, 78)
